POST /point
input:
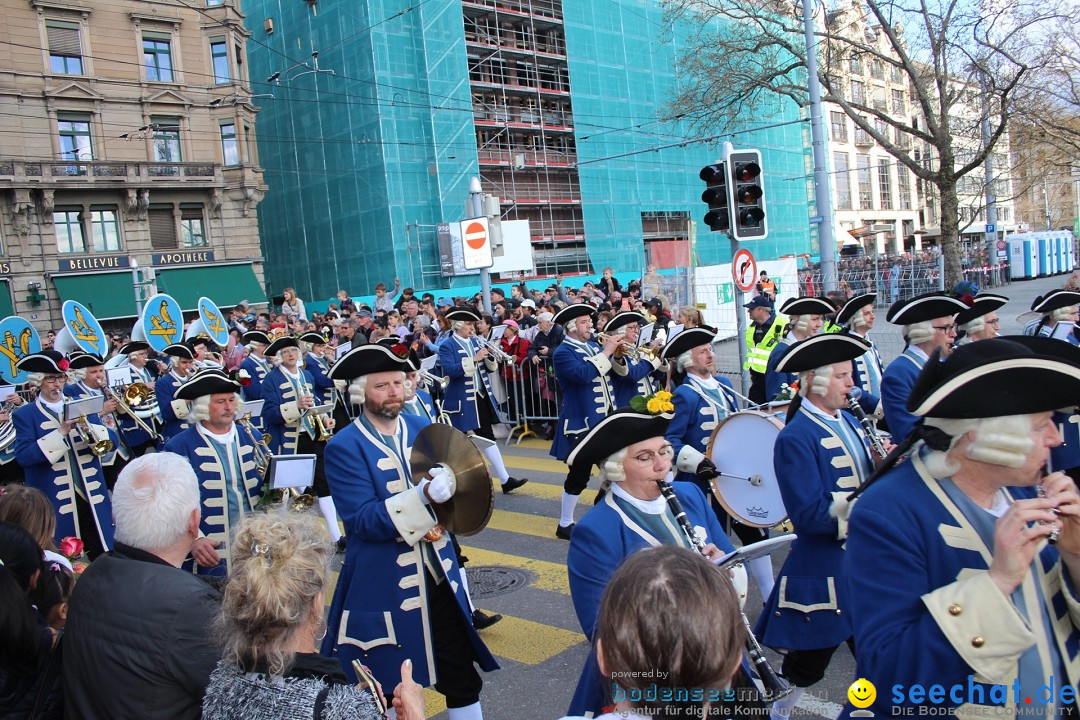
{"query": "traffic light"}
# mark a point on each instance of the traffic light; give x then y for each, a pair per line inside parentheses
(716, 197)
(748, 220)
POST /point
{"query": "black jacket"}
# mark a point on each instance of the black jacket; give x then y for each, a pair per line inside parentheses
(137, 641)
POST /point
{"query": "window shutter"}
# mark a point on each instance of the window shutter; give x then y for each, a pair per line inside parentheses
(162, 229)
(63, 39)
(191, 212)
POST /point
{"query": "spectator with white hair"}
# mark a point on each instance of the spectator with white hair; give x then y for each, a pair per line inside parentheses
(137, 641)
(806, 316)
(928, 326)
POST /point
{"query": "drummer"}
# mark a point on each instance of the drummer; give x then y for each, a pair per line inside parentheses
(820, 456)
(806, 315)
(633, 456)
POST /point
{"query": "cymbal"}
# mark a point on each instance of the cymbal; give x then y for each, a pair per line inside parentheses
(470, 508)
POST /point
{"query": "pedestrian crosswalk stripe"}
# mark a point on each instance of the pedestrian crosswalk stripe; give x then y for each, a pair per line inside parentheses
(528, 642)
(549, 465)
(536, 489)
(434, 702)
(523, 524)
(548, 575)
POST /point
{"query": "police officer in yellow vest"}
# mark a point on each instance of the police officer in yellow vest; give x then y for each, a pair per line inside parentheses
(764, 331)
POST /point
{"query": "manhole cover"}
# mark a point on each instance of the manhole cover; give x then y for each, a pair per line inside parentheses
(491, 580)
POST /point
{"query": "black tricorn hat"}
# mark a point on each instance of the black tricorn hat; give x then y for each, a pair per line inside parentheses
(367, 359)
(573, 312)
(982, 304)
(207, 382)
(462, 313)
(621, 429)
(1012, 375)
(807, 305)
(133, 346)
(927, 306)
(288, 341)
(313, 337)
(83, 360)
(256, 336)
(687, 340)
(852, 306)
(821, 350)
(49, 362)
(625, 318)
(1055, 299)
(179, 350)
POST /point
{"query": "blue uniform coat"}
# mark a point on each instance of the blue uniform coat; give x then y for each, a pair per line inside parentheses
(808, 607)
(461, 398)
(775, 380)
(696, 417)
(317, 367)
(257, 369)
(584, 375)
(638, 380)
(165, 390)
(896, 386)
(379, 614)
(281, 417)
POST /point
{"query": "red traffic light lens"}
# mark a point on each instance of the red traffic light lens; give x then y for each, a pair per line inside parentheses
(745, 172)
(750, 194)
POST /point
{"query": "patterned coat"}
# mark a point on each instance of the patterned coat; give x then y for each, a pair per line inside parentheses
(896, 386)
(52, 466)
(916, 622)
(774, 380)
(866, 373)
(584, 375)
(240, 482)
(165, 389)
(460, 401)
(422, 405)
(809, 605)
(696, 416)
(258, 369)
(373, 492)
(324, 386)
(282, 419)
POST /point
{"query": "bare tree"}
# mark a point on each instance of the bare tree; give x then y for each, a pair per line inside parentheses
(960, 60)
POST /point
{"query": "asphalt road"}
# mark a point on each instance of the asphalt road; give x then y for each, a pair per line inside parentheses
(518, 568)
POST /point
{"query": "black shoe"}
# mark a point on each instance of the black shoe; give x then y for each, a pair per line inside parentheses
(563, 531)
(512, 484)
(341, 544)
(481, 620)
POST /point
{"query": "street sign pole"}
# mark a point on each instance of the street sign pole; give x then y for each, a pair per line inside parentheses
(476, 209)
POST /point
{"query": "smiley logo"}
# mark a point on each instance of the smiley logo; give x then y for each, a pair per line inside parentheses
(862, 693)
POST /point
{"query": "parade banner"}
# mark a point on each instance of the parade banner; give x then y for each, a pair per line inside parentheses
(162, 322)
(17, 338)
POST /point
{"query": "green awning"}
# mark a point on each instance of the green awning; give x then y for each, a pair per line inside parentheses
(6, 306)
(108, 295)
(226, 285)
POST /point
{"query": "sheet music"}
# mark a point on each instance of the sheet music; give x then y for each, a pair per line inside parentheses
(74, 409)
(645, 336)
(498, 331)
(428, 363)
(6, 391)
(251, 406)
(288, 471)
(118, 376)
(341, 350)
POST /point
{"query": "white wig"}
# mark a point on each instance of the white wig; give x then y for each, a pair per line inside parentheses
(153, 500)
(200, 408)
(457, 325)
(800, 322)
(1061, 313)
(858, 322)
(819, 385)
(358, 390)
(35, 379)
(1004, 440)
(611, 468)
(920, 332)
(974, 325)
(685, 360)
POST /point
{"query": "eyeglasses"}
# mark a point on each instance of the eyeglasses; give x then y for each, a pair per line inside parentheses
(647, 458)
(995, 321)
(54, 378)
(947, 329)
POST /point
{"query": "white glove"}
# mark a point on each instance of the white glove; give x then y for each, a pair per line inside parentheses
(440, 487)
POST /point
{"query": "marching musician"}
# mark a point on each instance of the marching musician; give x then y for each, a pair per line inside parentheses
(136, 352)
(634, 457)
(980, 321)
(316, 363)
(982, 549)
(421, 612)
(639, 378)
(226, 462)
(806, 315)
(88, 372)
(856, 318)
(764, 332)
(56, 455)
(820, 456)
(1059, 310)
(418, 401)
(174, 416)
(928, 325)
(10, 471)
(288, 392)
(256, 366)
(584, 371)
(468, 400)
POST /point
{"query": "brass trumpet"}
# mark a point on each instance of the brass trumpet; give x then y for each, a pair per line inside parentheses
(497, 353)
(630, 349)
(322, 433)
(262, 446)
(99, 447)
(431, 379)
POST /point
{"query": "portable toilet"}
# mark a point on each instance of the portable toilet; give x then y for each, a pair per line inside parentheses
(1042, 248)
(1061, 241)
(1022, 261)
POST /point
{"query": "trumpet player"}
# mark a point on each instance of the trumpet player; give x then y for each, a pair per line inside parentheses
(316, 363)
(256, 365)
(639, 379)
(418, 401)
(141, 370)
(10, 472)
(88, 372)
(174, 416)
(57, 458)
(225, 460)
(856, 318)
(288, 392)
(468, 400)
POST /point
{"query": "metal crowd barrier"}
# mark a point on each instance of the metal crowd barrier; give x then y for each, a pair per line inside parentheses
(532, 397)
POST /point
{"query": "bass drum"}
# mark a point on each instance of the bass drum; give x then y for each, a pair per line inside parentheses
(741, 448)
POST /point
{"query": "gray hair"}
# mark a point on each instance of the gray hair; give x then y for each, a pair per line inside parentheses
(685, 360)
(819, 385)
(153, 499)
(799, 322)
(611, 468)
(974, 325)
(35, 379)
(457, 325)
(358, 390)
(545, 317)
(858, 321)
(920, 332)
(200, 407)
(1004, 440)
(1061, 313)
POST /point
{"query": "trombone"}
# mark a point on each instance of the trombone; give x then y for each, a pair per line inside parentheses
(133, 396)
(99, 447)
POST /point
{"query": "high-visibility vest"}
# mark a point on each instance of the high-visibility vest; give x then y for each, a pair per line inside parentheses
(757, 354)
(768, 287)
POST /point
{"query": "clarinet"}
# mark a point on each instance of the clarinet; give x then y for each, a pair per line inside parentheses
(867, 424)
(775, 686)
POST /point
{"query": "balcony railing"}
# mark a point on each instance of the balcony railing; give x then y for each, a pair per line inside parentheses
(97, 171)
